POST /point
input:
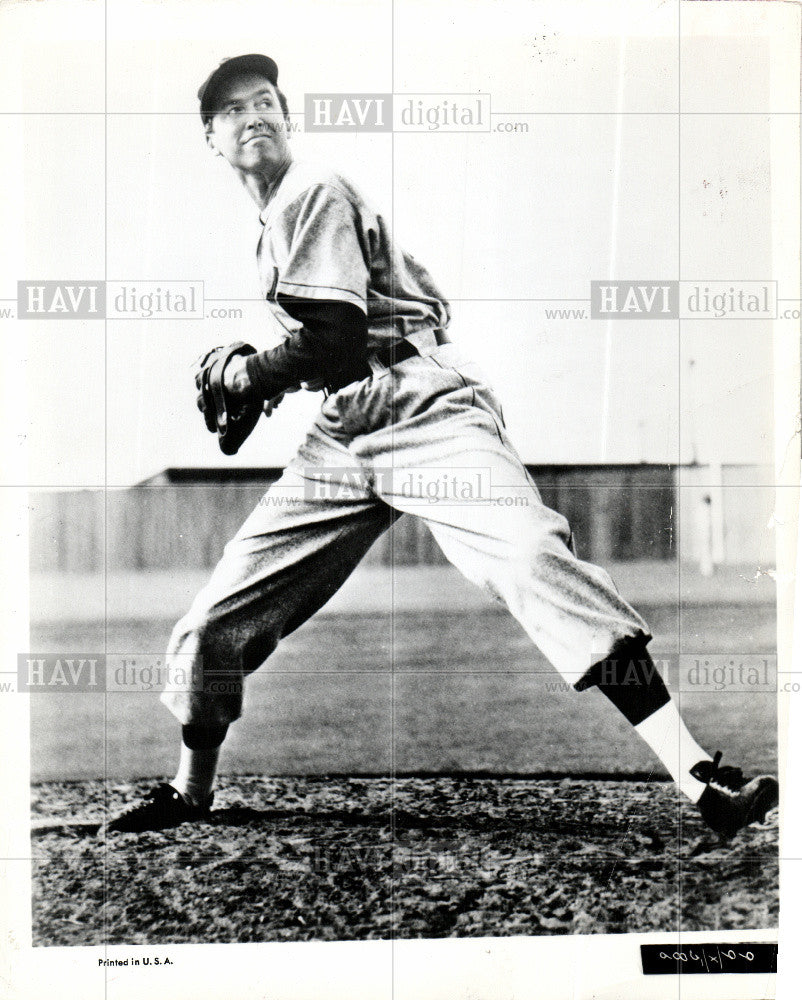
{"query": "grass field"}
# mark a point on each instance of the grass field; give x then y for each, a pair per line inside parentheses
(368, 694)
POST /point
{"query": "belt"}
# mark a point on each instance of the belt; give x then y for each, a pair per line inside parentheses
(386, 357)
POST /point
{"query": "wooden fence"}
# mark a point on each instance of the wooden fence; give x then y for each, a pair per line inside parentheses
(183, 518)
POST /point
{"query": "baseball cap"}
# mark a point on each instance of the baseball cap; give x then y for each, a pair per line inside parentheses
(252, 63)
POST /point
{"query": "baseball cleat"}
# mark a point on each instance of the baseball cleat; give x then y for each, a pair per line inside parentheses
(729, 802)
(163, 807)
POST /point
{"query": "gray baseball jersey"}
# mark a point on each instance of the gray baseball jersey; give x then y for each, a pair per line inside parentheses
(323, 240)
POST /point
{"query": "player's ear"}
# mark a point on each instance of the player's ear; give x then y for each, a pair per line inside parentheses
(285, 110)
(210, 140)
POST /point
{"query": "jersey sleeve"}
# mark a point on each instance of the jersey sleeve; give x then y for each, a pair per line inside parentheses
(319, 249)
(331, 345)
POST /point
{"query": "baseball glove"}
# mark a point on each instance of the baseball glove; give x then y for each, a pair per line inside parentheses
(232, 421)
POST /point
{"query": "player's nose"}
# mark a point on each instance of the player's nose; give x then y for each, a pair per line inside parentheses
(255, 121)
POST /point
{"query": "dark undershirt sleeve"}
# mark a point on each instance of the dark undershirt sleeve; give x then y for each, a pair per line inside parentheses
(332, 345)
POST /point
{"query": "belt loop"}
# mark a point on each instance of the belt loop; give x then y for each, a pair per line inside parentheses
(427, 341)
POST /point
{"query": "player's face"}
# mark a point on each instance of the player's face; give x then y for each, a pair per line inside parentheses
(249, 130)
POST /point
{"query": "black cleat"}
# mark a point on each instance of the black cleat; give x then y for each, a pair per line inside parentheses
(729, 802)
(162, 808)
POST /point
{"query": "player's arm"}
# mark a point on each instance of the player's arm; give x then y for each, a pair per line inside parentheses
(331, 345)
(321, 282)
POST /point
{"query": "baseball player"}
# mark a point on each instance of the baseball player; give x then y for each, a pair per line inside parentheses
(365, 321)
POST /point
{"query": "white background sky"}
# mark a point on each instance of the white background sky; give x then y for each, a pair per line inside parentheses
(499, 220)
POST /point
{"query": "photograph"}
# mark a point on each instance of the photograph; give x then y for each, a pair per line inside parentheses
(401, 491)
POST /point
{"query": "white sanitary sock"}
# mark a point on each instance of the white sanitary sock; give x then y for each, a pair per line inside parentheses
(668, 736)
(196, 771)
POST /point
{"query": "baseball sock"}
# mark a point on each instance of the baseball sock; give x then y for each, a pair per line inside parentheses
(633, 684)
(668, 736)
(197, 765)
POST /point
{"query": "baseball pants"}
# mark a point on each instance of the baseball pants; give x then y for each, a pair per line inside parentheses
(425, 437)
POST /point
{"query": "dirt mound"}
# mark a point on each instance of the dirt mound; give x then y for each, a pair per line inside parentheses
(356, 858)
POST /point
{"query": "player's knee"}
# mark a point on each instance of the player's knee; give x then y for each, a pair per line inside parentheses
(197, 633)
(222, 639)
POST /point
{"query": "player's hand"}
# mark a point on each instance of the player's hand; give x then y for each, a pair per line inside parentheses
(316, 385)
(236, 380)
(223, 398)
(270, 405)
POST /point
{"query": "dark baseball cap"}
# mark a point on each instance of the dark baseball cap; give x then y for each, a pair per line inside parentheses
(236, 66)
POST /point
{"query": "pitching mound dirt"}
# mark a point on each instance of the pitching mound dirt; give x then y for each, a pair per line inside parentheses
(355, 858)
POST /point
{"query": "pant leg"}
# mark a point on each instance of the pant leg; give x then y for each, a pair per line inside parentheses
(293, 552)
(508, 541)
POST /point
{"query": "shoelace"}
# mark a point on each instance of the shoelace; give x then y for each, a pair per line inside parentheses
(727, 779)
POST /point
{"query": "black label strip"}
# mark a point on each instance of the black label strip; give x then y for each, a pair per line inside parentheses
(706, 958)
